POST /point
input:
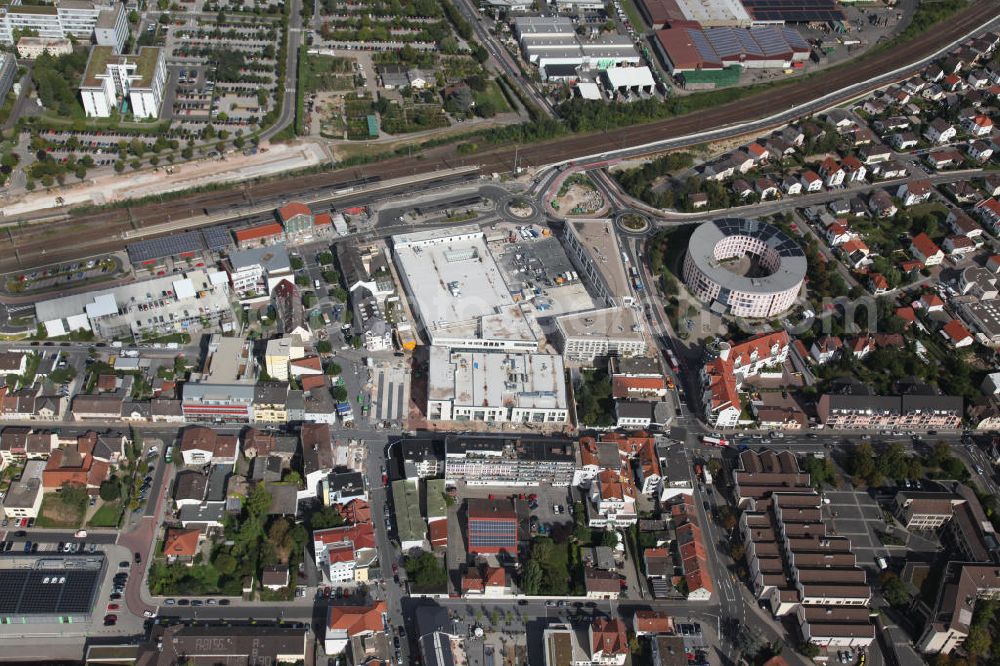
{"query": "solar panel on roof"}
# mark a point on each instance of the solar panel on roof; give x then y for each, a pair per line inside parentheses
(165, 246)
(217, 238)
(68, 591)
(794, 11)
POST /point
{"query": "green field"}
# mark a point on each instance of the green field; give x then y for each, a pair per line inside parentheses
(327, 73)
(494, 96)
(106, 516)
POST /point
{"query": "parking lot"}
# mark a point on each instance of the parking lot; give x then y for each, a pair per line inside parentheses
(543, 514)
(855, 515)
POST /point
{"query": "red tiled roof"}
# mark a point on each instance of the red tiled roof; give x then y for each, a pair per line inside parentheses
(309, 362)
(181, 543)
(906, 314)
(924, 245)
(956, 331)
(931, 301)
(291, 210)
(652, 622)
(323, 220)
(609, 636)
(623, 386)
(313, 382)
(357, 620)
(268, 230)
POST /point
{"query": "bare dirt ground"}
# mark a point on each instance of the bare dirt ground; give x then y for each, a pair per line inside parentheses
(112, 187)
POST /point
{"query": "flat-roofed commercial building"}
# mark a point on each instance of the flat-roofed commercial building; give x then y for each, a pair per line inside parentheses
(224, 391)
(183, 303)
(458, 292)
(584, 336)
(485, 460)
(495, 386)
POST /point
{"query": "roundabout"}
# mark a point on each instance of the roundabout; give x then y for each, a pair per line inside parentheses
(633, 222)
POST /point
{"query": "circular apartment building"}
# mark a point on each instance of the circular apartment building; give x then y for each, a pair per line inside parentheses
(744, 268)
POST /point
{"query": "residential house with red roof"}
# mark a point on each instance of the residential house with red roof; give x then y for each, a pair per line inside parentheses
(74, 466)
(854, 170)
(914, 192)
(926, 250)
(346, 623)
(957, 334)
(877, 284)
(931, 302)
(638, 388)
(811, 182)
(979, 125)
(612, 500)
(832, 173)
(181, 545)
(608, 642)
(651, 623)
(345, 554)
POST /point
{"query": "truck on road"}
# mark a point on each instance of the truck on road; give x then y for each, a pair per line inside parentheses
(713, 441)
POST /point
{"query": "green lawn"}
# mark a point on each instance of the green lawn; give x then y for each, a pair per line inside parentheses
(107, 515)
(495, 95)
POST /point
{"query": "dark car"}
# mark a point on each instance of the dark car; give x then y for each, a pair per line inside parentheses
(20, 533)
(223, 602)
(123, 564)
(34, 547)
(137, 558)
(115, 596)
(184, 602)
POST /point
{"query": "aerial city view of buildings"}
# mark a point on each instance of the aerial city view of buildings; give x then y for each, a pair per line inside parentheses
(650, 332)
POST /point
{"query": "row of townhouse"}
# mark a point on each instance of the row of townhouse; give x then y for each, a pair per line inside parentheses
(795, 564)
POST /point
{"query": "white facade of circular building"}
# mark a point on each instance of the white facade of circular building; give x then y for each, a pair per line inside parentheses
(744, 267)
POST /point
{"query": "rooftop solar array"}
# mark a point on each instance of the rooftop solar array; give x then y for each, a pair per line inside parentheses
(212, 238)
(774, 237)
(217, 238)
(48, 591)
(716, 45)
(794, 11)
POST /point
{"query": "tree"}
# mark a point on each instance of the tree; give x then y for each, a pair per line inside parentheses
(532, 582)
(862, 464)
(339, 393)
(808, 650)
(978, 641)
(110, 490)
(333, 369)
(225, 563)
(894, 590)
(73, 494)
(609, 539)
(324, 347)
(426, 573)
(259, 500)
(324, 518)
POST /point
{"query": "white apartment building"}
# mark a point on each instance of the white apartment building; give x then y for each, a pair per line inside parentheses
(111, 78)
(107, 22)
(255, 272)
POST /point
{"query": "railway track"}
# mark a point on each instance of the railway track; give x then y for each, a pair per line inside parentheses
(92, 233)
